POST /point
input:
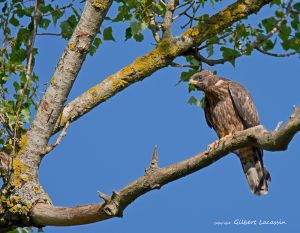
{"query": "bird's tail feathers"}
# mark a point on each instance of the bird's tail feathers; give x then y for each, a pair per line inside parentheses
(256, 174)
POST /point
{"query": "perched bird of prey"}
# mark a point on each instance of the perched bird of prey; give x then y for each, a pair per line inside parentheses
(229, 108)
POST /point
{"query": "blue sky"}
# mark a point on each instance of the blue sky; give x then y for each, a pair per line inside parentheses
(111, 146)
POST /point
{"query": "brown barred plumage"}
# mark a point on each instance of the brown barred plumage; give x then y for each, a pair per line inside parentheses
(229, 108)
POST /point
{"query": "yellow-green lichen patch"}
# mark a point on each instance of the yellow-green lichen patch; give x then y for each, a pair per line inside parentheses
(52, 82)
(192, 32)
(144, 63)
(117, 83)
(100, 4)
(93, 91)
(20, 173)
(62, 120)
(14, 205)
(23, 143)
(71, 46)
(125, 72)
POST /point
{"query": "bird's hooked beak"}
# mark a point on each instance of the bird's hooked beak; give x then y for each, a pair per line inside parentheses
(194, 80)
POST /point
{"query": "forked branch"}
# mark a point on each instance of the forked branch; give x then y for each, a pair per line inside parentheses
(43, 214)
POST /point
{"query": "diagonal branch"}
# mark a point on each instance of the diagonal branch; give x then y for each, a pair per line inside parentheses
(62, 134)
(168, 19)
(43, 214)
(65, 74)
(162, 56)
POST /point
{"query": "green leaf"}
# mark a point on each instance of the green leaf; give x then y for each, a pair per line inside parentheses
(128, 33)
(295, 24)
(230, 54)
(44, 23)
(249, 49)
(123, 14)
(18, 55)
(26, 114)
(269, 23)
(268, 45)
(23, 35)
(186, 75)
(276, 2)
(27, 11)
(68, 26)
(192, 61)
(193, 101)
(279, 13)
(202, 102)
(210, 50)
(14, 21)
(136, 28)
(56, 14)
(297, 6)
(138, 37)
(107, 34)
(284, 32)
(97, 42)
(46, 9)
(292, 43)
(4, 8)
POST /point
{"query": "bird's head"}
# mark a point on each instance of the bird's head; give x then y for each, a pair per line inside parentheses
(203, 79)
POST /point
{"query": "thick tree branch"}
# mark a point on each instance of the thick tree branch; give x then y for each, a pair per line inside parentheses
(161, 56)
(23, 186)
(66, 73)
(155, 177)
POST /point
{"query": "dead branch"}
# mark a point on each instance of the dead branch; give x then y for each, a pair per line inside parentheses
(114, 205)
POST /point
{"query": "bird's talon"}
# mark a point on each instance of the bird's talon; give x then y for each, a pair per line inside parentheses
(213, 146)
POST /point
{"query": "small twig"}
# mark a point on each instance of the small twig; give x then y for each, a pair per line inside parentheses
(48, 34)
(163, 2)
(277, 54)
(60, 8)
(220, 38)
(105, 197)
(174, 64)
(184, 4)
(153, 164)
(278, 125)
(191, 18)
(184, 12)
(154, 160)
(58, 140)
(212, 62)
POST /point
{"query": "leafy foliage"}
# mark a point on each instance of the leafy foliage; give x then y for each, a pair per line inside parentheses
(21, 22)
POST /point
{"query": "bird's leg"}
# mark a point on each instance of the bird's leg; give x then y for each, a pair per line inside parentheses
(215, 144)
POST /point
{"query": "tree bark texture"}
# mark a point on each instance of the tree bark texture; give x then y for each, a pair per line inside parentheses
(24, 202)
(155, 177)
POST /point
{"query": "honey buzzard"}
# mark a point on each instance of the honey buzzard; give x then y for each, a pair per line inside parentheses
(229, 108)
